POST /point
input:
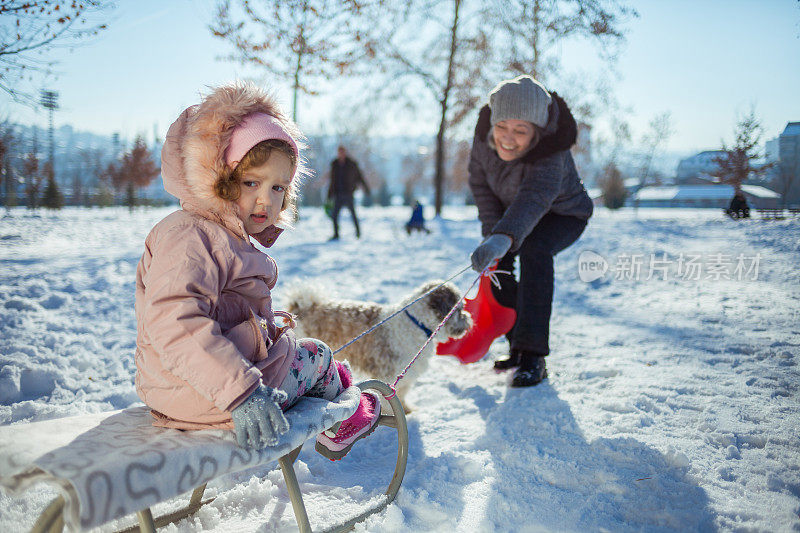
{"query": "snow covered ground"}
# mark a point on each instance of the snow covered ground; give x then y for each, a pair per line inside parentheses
(672, 402)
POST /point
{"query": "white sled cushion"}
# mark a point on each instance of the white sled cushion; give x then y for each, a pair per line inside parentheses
(108, 465)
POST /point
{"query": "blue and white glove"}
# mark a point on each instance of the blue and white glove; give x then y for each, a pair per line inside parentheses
(494, 247)
(259, 420)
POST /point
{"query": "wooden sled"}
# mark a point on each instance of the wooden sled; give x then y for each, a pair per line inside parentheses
(75, 506)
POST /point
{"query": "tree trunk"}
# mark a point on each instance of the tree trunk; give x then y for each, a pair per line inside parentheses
(295, 88)
(131, 196)
(298, 66)
(8, 184)
(439, 177)
(535, 40)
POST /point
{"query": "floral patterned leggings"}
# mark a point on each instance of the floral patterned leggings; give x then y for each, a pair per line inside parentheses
(312, 373)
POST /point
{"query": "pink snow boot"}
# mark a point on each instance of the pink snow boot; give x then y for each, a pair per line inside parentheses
(334, 443)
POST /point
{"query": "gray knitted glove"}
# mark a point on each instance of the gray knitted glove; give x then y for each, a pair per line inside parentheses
(259, 420)
(494, 247)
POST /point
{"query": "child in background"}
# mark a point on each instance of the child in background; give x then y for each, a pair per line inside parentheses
(417, 221)
(209, 353)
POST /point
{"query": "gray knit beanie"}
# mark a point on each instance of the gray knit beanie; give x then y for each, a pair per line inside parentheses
(522, 98)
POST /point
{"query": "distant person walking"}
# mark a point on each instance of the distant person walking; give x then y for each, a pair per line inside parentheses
(345, 178)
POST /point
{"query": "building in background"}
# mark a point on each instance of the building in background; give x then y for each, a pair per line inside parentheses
(705, 196)
(784, 153)
(699, 168)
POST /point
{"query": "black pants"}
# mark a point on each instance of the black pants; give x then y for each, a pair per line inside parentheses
(532, 296)
(338, 203)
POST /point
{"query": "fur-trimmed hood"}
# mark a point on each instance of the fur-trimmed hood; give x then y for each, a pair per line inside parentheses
(193, 155)
(560, 134)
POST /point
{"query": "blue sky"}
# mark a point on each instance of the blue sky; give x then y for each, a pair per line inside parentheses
(705, 61)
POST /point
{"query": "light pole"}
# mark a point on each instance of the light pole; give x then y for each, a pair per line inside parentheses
(49, 101)
(53, 198)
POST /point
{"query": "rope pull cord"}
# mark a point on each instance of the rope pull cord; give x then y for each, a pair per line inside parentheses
(376, 326)
(488, 271)
(493, 276)
(402, 374)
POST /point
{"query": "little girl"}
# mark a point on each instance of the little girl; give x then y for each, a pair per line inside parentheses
(208, 350)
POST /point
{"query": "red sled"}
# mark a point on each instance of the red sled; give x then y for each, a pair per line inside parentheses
(490, 320)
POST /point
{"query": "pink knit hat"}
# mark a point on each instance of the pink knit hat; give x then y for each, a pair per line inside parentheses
(256, 127)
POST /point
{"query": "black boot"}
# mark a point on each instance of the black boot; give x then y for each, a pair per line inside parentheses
(510, 362)
(531, 370)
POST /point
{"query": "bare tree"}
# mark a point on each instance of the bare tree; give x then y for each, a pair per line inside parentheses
(92, 169)
(78, 193)
(106, 196)
(313, 190)
(33, 179)
(611, 145)
(6, 141)
(734, 165)
(32, 173)
(355, 125)
(413, 174)
(442, 47)
(10, 185)
(31, 29)
(659, 131)
(460, 176)
(535, 29)
(613, 186)
(52, 198)
(534, 32)
(136, 170)
(302, 41)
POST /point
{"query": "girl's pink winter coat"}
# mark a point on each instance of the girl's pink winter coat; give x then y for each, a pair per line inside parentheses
(206, 332)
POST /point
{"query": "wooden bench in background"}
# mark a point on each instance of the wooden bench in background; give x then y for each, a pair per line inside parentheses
(771, 214)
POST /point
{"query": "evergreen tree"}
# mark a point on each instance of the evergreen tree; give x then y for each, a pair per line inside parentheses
(52, 199)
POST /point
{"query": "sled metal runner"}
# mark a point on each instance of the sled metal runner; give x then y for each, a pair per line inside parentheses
(51, 520)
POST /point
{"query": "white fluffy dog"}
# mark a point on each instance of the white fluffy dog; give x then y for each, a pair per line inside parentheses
(385, 352)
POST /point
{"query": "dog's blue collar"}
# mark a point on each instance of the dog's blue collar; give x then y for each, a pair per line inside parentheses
(419, 324)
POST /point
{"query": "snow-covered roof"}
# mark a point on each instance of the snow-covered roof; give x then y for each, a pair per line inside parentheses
(701, 192)
(703, 156)
(657, 193)
(792, 128)
(759, 191)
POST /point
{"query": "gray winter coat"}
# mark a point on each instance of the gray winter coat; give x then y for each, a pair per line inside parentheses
(512, 196)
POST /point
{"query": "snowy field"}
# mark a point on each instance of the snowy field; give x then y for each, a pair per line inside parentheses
(672, 401)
